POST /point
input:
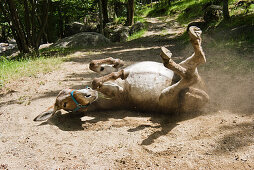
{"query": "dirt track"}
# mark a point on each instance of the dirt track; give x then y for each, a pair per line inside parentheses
(221, 137)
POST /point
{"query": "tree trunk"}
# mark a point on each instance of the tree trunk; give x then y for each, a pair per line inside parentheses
(4, 13)
(117, 6)
(101, 17)
(169, 2)
(225, 10)
(105, 12)
(3, 35)
(23, 47)
(130, 12)
(60, 22)
(27, 23)
(44, 21)
(32, 2)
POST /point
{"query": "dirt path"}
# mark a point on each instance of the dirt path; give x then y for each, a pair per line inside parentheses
(221, 137)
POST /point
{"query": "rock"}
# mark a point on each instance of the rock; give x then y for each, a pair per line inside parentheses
(77, 27)
(120, 34)
(12, 41)
(136, 27)
(82, 40)
(202, 25)
(213, 13)
(7, 47)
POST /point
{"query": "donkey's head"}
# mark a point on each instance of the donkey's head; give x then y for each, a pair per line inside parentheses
(70, 100)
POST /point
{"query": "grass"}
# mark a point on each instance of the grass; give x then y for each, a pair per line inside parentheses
(29, 66)
(237, 33)
(137, 35)
(186, 10)
(120, 20)
(13, 69)
(189, 10)
(139, 19)
(157, 10)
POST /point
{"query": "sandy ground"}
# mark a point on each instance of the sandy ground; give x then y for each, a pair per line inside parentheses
(220, 137)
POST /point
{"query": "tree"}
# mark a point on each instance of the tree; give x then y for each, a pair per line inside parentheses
(9, 9)
(4, 28)
(119, 7)
(104, 4)
(130, 12)
(27, 20)
(225, 10)
(101, 16)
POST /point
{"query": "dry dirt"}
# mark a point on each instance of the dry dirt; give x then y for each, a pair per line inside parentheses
(220, 137)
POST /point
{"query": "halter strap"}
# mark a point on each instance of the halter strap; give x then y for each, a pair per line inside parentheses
(78, 105)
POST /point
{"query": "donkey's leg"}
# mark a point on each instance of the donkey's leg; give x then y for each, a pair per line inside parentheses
(170, 64)
(171, 92)
(110, 89)
(192, 99)
(186, 69)
(105, 66)
(188, 76)
(188, 66)
(198, 57)
(97, 82)
(106, 84)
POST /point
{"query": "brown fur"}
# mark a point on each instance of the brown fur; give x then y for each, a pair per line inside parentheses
(184, 95)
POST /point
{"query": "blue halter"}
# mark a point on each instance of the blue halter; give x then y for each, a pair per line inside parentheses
(79, 106)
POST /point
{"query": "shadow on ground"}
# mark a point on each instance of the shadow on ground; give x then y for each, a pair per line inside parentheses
(162, 124)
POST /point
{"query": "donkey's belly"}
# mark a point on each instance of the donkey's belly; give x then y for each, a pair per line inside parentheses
(145, 82)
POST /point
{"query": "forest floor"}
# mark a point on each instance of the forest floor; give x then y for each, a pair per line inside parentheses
(220, 137)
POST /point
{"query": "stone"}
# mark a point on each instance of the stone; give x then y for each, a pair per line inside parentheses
(82, 40)
(120, 34)
(136, 27)
(77, 27)
(213, 13)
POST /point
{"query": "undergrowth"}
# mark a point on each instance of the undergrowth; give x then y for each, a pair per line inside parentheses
(29, 65)
(137, 35)
(190, 10)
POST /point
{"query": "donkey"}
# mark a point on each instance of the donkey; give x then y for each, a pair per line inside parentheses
(144, 86)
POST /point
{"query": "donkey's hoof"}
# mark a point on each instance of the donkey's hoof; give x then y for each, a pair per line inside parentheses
(96, 83)
(118, 63)
(165, 53)
(195, 32)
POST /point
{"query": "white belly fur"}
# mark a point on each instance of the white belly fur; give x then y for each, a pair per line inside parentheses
(146, 80)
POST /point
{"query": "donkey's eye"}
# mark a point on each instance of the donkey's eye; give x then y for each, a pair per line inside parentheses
(88, 96)
(102, 68)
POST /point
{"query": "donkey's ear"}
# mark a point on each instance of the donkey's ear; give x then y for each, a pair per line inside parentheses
(44, 115)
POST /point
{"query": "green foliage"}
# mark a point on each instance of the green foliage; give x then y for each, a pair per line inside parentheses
(139, 18)
(236, 33)
(57, 51)
(120, 20)
(158, 10)
(143, 9)
(137, 35)
(244, 8)
(190, 11)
